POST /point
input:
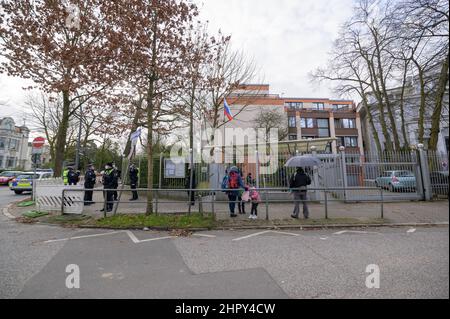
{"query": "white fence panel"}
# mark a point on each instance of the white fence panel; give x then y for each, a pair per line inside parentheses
(49, 193)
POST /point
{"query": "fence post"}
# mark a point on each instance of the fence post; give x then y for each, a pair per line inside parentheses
(315, 175)
(267, 200)
(326, 204)
(191, 176)
(257, 168)
(425, 172)
(159, 183)
(212, 204)
(382, 202)
(62, 201)
(344, 171)
(105, 203)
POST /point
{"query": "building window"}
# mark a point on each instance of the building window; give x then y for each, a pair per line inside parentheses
(306, 123)
(11, 162)
(1, 161)
(307, 137)
(13, 144)
(319, 106)
(337, 107)
(292, 121)
(2, 143)
(292, 137)
(294, 105)
(323, 127)
(347, 141)
(345, 123)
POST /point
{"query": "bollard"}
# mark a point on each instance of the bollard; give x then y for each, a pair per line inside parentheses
(326, 204)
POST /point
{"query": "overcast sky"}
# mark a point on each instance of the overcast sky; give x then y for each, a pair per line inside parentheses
(286, 38)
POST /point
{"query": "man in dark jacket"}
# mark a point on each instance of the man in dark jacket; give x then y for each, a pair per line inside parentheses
(133, 173)
(298, 183)
(72, 176)
(110, 180)
(89, 183)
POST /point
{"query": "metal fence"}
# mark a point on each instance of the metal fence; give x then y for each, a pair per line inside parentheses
(404, 175)
(208, 199)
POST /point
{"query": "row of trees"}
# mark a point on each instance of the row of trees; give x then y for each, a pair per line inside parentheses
(381, 47)
(127, 64)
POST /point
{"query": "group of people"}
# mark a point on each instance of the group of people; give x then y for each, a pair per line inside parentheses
(241, 193)
(110, 180)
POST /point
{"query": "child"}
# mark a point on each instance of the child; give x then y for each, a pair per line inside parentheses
(255, 199)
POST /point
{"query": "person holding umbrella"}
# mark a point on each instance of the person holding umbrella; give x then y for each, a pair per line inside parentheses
(298, 183)
(300, 180)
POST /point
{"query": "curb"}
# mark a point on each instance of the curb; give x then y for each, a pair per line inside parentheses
(298, 227)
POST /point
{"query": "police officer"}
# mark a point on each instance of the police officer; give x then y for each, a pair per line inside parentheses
(110, 180)
(72, 176)
(133, 173)
(89, 183)
(65, 177)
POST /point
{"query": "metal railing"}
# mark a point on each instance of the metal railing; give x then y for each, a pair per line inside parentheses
(205, 196)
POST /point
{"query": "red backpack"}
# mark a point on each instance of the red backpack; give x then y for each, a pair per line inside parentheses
(233, 180)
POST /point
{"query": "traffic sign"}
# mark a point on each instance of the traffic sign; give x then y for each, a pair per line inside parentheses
(38, 142)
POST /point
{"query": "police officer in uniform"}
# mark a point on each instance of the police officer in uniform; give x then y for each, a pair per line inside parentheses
(89, 183)
(133, 173)
(72, 176)
(110, 180)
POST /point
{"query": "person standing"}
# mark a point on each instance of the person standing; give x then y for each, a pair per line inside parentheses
(65, 176)
(133, 173)
(110, 178)
(72, 176)
(298, 183)
(249, 179)
(255, 199)
(89, 183)
(232, 184)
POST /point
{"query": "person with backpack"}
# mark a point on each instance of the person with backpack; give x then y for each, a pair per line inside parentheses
(232, 183)
(241, 203)
(255, 199)
(298, 184)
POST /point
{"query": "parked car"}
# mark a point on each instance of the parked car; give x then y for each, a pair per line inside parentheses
(397, 180)
(24, 182)
(439, 182)
(7, 176)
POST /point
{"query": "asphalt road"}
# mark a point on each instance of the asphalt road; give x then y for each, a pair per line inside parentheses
(413, 263)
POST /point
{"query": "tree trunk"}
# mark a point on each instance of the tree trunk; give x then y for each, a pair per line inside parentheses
(62, 135)
(134, 127)
(436, 117)
(402, 109)
(421, 122)
(150, 148)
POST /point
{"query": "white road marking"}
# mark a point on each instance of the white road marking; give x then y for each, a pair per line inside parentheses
(133, 237)
(158, 238)
(324, 238)
(79, 237)
(251, 235)
(284, 233)
(204, 235)
(354, 231)
(411, 230)
(265, 232)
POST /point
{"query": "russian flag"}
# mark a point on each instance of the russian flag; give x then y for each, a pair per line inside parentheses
(226, 110)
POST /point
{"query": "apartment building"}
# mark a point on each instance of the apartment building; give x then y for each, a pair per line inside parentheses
(306, 118)
(14, 149)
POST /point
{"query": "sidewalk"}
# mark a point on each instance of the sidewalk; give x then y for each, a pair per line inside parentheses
(395, 212)
(279, 213)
